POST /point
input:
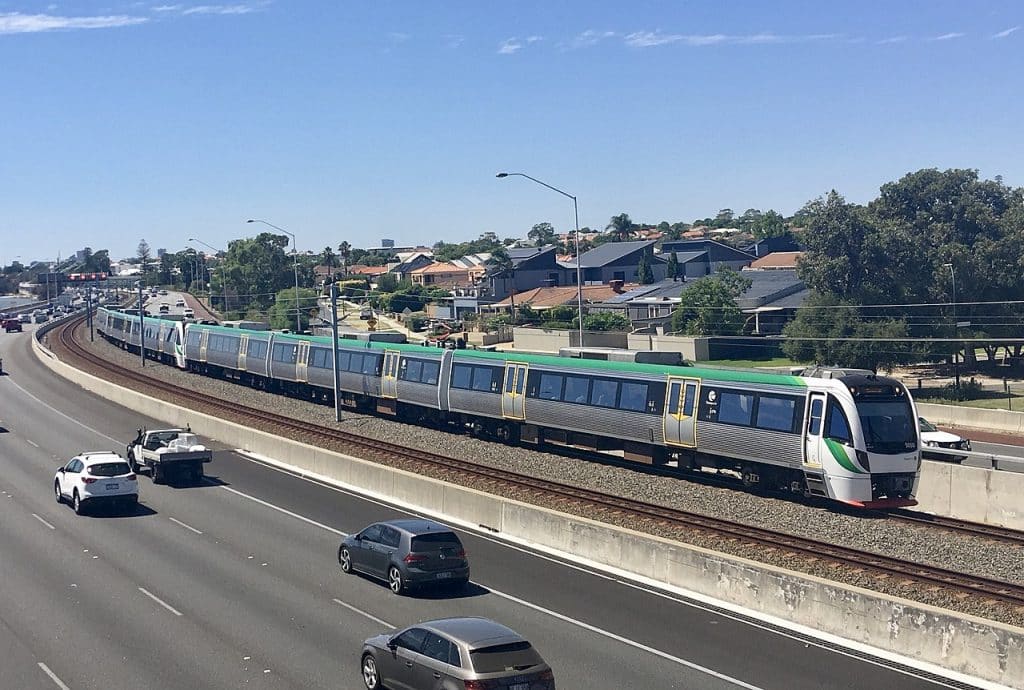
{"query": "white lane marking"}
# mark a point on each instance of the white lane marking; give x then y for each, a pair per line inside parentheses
(43, 521)
(31, 443)
(363, 613)
(179, 522)
(286, 512)
(53, 676)
(158, 600)
(70, 419)
(815, 638)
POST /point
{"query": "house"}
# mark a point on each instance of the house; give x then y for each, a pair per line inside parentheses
(616, 261)
(370, 272)
(532, 267)
(542, 298)
(718, 254)
(782, 243)
(775, 261)
(404, 268)
(445, 274)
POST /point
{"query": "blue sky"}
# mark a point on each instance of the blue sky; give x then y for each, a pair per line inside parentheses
(363, 120)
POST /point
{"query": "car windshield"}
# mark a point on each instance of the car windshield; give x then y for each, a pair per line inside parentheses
(436, 542)
(515, 656)
(926, 425)
(887, 426)
(109, 469)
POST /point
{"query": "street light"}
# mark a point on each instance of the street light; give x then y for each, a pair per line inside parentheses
(142, 325)
(295, 265)
(223, 277)
(576, 212)
(956, 324)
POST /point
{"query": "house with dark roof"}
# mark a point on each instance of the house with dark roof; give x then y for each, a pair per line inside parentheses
(532, 267)
(717, 253)
(616, 261)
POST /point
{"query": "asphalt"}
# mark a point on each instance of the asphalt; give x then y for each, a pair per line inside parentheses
(235, 583)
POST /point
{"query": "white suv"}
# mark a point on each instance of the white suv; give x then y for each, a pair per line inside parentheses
(95, 477)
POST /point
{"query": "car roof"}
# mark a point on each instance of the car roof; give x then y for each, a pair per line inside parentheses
(473, 631)
(92, 457)
(417, 526)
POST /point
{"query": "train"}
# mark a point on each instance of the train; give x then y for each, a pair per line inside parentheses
(849, 437)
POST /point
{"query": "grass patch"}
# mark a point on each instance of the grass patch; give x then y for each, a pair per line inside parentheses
(752, 363)
(989, 401)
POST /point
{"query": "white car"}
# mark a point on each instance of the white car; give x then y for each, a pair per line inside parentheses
(96, 477)
(933, 437)
(188, 313)
(180, 302)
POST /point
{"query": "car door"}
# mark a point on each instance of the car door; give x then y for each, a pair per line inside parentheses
(401, 666)
(70, 476)
(433, 667)
(390, 539)
(366, 545)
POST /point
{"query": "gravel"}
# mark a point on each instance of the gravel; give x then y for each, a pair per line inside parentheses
(920, 544)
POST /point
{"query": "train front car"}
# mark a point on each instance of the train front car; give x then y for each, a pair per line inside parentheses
(862, 431)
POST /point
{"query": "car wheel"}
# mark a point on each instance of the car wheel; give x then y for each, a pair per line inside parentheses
(345, 559)
(155, 474)
(56, 492)
(76, 503)
(370, 676)
(395, 580)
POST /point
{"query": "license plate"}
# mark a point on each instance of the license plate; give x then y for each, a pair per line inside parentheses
(441, 576)
(519, 686)
(113, 487)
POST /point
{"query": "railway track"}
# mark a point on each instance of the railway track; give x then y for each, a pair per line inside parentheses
(585, 501)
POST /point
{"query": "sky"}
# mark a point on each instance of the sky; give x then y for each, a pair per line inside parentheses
(356, 121)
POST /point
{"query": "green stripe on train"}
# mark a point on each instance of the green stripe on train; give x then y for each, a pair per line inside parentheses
(838, 451)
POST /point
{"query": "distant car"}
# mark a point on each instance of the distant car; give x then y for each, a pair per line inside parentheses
(40, 317)
(12, 325)
(406, 554)
(165, 309)
(94, 478)
(933, 437)
(180, 302)
(454, 653)
(25, 318)
(163, 292)
(189, 313)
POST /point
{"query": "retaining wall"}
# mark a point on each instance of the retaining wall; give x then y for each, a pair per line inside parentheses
(957, 642)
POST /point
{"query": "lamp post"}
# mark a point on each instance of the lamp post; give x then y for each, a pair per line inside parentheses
(223, 277)
(295, 266)
(576, 234)
(956, 324)
(142, 325)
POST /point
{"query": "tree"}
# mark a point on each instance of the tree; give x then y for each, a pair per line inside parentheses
(144, 256)
(604, 321)
(387, 282)
(724, 219)
(282, 312)
(328, 259)
(487, 242)
(749, 219)
(542, 234)
(620, 227)
(708, 306)
(769, 224)
(258, 268)
(643, 271)
(344, 251)
(673, 267)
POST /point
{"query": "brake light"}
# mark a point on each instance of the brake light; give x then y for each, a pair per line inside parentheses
(547, 675)
(89, 480)
(461, 553)
(130, 477)
(414, 558)
(481, 684)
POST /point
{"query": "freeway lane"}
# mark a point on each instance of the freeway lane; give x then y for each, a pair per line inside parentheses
(240, 592)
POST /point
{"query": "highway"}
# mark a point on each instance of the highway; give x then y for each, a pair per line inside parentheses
(235, 583)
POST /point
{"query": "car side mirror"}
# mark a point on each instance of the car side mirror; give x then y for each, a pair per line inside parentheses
(392, 646)
(61, 468)
(358, 537)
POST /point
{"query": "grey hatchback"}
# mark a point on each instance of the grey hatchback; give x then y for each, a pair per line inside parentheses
(454, 654)
(407, 553)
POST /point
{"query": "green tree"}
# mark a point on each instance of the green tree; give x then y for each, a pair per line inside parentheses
(604, 321)
(330, 260)
(620, 227)
(387, 282)
(644, 272)
(673, 267)
(542, 234)
(768, 224)
(749, 219)
(282, 312)
(487, 242)
(258, 268)
(143, 254)
(345, 252)
(724, 219)
(708, 306)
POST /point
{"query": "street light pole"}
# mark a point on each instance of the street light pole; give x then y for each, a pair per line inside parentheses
(334, 351)
(142, 325)
(295, 266)
(576, 214)
(223, 277)
(956, 330)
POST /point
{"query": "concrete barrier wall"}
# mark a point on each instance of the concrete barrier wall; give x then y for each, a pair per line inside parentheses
(976, 417)
(972, 493)
(693, 349)
(957, 642)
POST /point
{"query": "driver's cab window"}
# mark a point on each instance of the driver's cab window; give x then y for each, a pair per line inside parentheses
(371, 533)
(837, 428)
(411, 639)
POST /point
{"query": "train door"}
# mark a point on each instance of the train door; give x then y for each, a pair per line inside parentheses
(814, 441)
(681, 412)
(389, 374)
(302, 361)
(203, 340)
(513, 393)
(243, 350)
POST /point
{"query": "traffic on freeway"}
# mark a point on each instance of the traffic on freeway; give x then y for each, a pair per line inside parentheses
(237, 582)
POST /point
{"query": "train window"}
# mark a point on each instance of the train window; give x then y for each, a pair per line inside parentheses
(735, 408)
(257, 349)
(510, 377)
(462, 376)
(372, 364)
(634, 397)
(604, 393)
(356, 363)
(482, 379)
(577, 389)
(285, 353)
(550, 387)
(319, 357)
(344, 359)
(814, 425)
(431, 372)
(412, 369)
(776, 413)
(837, 428)
(193, 337)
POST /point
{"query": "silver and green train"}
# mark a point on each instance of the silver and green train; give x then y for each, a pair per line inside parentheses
(852, 438)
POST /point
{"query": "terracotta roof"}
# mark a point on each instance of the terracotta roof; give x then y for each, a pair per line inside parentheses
(440, 267)
(547, 297)
(777, 260)
(368, 270)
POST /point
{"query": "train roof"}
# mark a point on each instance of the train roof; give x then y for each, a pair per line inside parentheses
(706, 372)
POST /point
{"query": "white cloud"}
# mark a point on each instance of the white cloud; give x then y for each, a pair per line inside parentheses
(454, 40)
(166, 8)
(948, 37)
(534, 39)
(398, 37)
(1004, 34)
(18, 23)
(509, 46)
(588, 38)
(893, 39)
(646, 39)
(220, 9)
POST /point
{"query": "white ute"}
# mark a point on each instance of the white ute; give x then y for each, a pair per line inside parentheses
(169, 452)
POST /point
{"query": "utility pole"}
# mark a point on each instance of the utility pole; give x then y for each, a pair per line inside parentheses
(142, 327)
(334, 351)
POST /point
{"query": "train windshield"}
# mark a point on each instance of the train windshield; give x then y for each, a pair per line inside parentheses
(888, 425)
